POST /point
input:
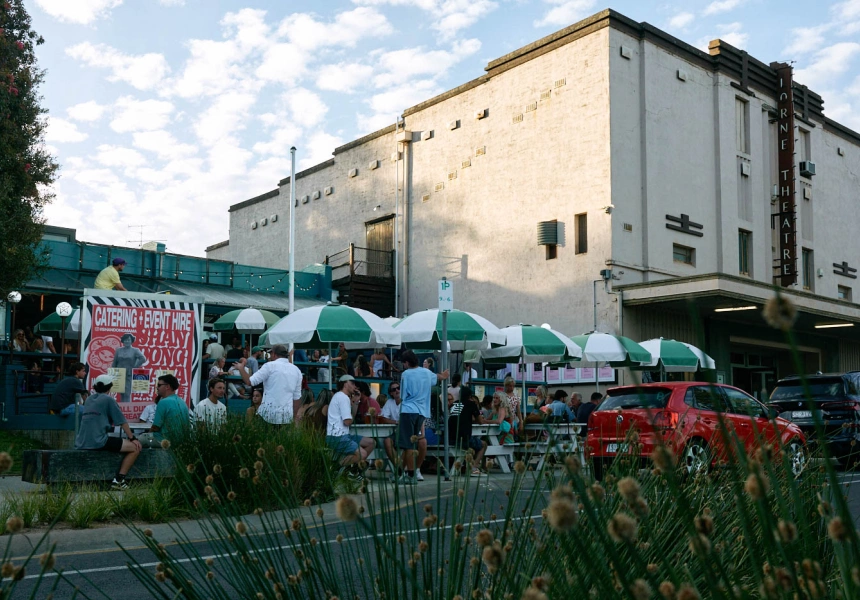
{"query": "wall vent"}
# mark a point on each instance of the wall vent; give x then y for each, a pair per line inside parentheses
(628, 227)
(353, 172)
(807, 193)
(253, 224)
(317, 195)
(745, 169)
(454, 124)
(452, 175)
(274, 218)
(518, 118)
(306, 199)
(480, 114)
(439, 186)
(545, 95)
(531, 107)
(626, 52)
(425, 198)
(560, 82)
(374, 164)
(682, 75)
(426, 135)
(329, 191)
(395, 156)
(840, 151)
(481, 151)
(264, 221)
(466, 163)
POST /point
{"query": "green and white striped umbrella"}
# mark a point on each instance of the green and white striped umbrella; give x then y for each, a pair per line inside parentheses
(531, 344)
(616, 350)
(676, 357)
(466, 331)
(53, 324)
(317, 326)
(246, 320)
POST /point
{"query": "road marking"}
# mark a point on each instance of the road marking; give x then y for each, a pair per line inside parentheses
(269, 549)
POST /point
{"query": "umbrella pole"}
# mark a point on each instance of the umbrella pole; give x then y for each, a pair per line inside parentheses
(445, 390)
(329, 366)
(63, 347)
(596, 376)
(523, 403)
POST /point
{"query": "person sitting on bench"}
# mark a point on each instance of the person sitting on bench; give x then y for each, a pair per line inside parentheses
(171, 421)
(64, 397)
(99, 415)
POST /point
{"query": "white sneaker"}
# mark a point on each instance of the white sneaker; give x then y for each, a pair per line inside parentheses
(418, 475)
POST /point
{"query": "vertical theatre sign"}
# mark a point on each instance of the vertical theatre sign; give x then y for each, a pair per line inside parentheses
(135, 338)
(787, 261)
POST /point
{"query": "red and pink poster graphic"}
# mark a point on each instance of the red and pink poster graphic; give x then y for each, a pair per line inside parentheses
(136, 338)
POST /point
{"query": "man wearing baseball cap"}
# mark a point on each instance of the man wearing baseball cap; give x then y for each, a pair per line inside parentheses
(108, 279)
(99, 414)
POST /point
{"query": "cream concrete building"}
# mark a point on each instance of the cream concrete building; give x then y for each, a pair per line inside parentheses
(657, 160)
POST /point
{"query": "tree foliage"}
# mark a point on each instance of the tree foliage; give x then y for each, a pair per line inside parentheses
(26, 167)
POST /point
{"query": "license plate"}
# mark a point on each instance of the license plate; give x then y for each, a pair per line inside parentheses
(616, 448)
(801, 414)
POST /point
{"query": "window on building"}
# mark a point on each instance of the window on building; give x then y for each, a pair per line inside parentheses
(742, 125)
(804, 148)
(684, 254)
(744, 252)
(843, 292)
(581, 233)
(808, 265)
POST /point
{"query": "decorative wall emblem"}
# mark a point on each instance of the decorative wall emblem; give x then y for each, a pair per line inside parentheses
(844, 270)
(684, 225)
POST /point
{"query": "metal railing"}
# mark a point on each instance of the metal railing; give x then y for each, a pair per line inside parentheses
(361, 261)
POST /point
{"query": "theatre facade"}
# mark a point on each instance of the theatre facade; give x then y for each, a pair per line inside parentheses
(608, 176)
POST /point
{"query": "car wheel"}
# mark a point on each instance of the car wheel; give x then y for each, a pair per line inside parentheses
(697, 458)
(797, 458)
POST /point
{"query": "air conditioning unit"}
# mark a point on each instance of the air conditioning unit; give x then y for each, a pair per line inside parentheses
(480, 114)
(807, 168)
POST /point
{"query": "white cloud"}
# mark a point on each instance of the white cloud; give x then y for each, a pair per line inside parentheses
(565, 13)
(283, 63)
(117, 156)
(828, 64)
(681, 20)
(143, 72)
(395, 100)
(172, 2)
(212, 68)
(451, 16)
(721, 6)
(806, 39)
(163, 144)
(399, 65)
(224, 117)
(847, 10)
(247, 27)
(86, 111)
(731, 33)
(62, 131)
(81, 12)
(343, 77)
(347, 29)
(307, 108)
(130, 114)
(282, 139)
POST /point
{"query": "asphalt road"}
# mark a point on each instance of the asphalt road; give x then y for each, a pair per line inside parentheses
(95, 567)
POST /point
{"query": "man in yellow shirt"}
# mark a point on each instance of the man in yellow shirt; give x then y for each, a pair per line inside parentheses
(108, 279)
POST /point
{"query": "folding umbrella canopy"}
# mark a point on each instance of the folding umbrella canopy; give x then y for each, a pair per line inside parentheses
(531, 344)
(318, 326)
(616, 350)
(676, 357)
(466, 331)
(53, 324)
(246, 320)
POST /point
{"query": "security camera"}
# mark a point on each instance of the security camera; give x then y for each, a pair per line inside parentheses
(608, 209)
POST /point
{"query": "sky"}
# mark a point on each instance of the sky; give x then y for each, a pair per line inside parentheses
(163, 113)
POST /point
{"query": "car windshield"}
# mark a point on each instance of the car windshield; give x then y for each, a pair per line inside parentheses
(644, 398)
(819, 389)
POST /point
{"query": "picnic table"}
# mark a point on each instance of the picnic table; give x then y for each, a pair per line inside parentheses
(377, 431)
(135, 427)
(562, 439)
(505, 452)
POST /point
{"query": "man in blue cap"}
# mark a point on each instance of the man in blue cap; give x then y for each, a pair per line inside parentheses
(108, 279)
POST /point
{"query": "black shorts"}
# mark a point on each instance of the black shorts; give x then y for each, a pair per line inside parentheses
(410, 425)
(113, 444)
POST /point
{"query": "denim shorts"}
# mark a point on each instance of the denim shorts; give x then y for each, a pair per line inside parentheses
(343, 445)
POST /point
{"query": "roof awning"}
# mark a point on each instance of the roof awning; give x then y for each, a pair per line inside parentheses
(232, 298)
(62, 281)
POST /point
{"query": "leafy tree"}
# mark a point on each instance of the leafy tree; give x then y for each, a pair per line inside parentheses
(26, 167)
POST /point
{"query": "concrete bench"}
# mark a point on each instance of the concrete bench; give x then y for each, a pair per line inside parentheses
(78, 466)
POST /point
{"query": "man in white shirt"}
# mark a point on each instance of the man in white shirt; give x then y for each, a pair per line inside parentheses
(468, 374)
(282, 386)
(350, 448)
(390, 415)
(214, 350)
(211, 411)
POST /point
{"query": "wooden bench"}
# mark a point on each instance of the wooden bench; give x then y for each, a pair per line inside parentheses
(563, 440)
(78, 466)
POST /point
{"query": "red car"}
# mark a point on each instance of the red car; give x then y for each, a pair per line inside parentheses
(686, 416)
